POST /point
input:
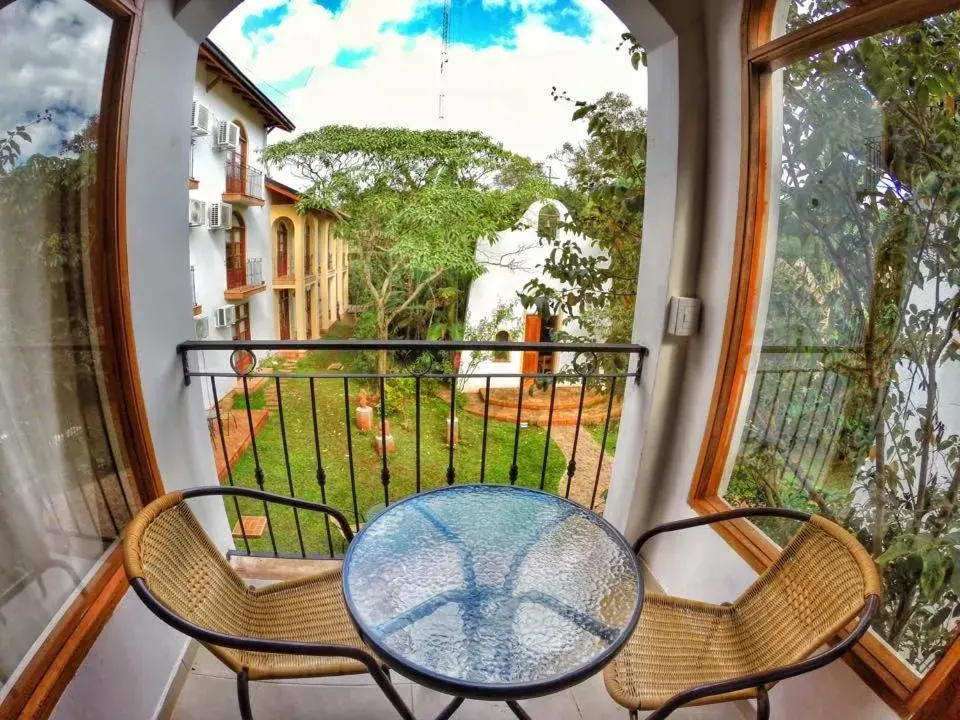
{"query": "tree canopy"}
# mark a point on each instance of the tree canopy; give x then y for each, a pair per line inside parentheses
(415, 202)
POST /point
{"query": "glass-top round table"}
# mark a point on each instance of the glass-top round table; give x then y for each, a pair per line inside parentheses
(492, 592)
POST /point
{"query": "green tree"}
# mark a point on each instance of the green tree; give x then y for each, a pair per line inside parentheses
(415, 202)
(604, 196)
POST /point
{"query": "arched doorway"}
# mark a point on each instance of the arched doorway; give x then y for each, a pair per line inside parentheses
(244, 144)
(236, 254)
(307, 247)
(283, 265)
(237, 165)
(308, 317)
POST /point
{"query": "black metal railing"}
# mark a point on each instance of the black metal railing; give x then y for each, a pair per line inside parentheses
(312, 445)
(796, 408)
(255, 271)
(243, 179)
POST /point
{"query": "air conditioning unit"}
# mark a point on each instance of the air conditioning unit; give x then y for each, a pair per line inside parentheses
(198, 212)
(201, 120)
(228, 135)
(226, 316)
(203, 327)
(220, 216)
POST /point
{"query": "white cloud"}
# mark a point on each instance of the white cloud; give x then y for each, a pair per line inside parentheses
(502, 92)
(53, 55)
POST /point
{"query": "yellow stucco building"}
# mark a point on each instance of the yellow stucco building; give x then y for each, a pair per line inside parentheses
(310, 267)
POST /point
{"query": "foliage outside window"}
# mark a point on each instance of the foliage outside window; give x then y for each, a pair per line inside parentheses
(415, 204)
(591, 271)
(852, 411)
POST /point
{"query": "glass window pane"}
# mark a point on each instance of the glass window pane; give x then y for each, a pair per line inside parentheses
(65, 492)
(790, 15)
(853, 401)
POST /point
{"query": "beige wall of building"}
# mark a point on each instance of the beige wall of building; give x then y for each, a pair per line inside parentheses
(314, 292)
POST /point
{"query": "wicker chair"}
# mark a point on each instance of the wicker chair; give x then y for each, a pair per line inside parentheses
(685, 652)
(292, 629)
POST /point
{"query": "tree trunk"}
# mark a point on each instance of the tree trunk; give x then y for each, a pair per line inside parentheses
(382, 334)
(879, 508)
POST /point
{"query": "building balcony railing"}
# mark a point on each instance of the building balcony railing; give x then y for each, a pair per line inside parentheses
(284, 271)
(245, 280)
(796, 410)
(360, 440)
(244, 183)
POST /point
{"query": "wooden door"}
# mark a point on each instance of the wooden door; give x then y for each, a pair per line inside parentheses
(282, 250)
(236, 259)
(285, 315)
(309, 305)
(243, 156)
(241, 331)
(531, 333)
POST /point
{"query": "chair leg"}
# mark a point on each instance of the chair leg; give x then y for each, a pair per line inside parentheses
(763, 704)
(243, 695)
(383, 680)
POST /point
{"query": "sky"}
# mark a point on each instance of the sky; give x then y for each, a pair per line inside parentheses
(377, 63)
(52, 57)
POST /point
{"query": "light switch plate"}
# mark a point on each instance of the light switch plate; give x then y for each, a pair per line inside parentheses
(683, 319)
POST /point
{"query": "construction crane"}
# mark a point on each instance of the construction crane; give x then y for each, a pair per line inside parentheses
(444, 57)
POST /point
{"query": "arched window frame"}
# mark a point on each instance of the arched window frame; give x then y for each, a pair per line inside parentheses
(502, 355)
(283, 248)
(762, 53)
(548, 222)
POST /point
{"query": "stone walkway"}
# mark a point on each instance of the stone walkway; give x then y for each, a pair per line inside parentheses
(236, 431)
(588, 456)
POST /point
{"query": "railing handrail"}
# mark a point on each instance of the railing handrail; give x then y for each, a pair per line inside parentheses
(808, 349)
(424, 345)
(235, 161)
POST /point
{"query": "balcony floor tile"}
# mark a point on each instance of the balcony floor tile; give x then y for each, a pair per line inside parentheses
(209, 693)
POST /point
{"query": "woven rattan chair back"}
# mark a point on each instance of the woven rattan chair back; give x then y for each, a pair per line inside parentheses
(167, 547)
(817, 586)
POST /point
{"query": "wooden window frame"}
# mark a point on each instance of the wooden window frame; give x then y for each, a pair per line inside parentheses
(36, 691)
(872, 659)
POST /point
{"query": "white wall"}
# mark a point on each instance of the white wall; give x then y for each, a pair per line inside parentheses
(666, 417)
(208, 247)
(126, 672)
(511, 262)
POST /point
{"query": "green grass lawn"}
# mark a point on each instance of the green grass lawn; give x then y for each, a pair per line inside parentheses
(258, 400)
(612, 435)
(367, 464)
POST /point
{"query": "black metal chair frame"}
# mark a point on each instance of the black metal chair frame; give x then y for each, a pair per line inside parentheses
(759, 681)
(380, 674)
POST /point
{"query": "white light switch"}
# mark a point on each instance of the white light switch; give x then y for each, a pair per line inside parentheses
(684, 317)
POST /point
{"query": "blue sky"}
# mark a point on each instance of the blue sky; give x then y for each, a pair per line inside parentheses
(479, 24)
(476, 23)
(377, 62)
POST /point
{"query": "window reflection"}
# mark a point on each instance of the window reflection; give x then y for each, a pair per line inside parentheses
(852, 410)
(64, 492)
